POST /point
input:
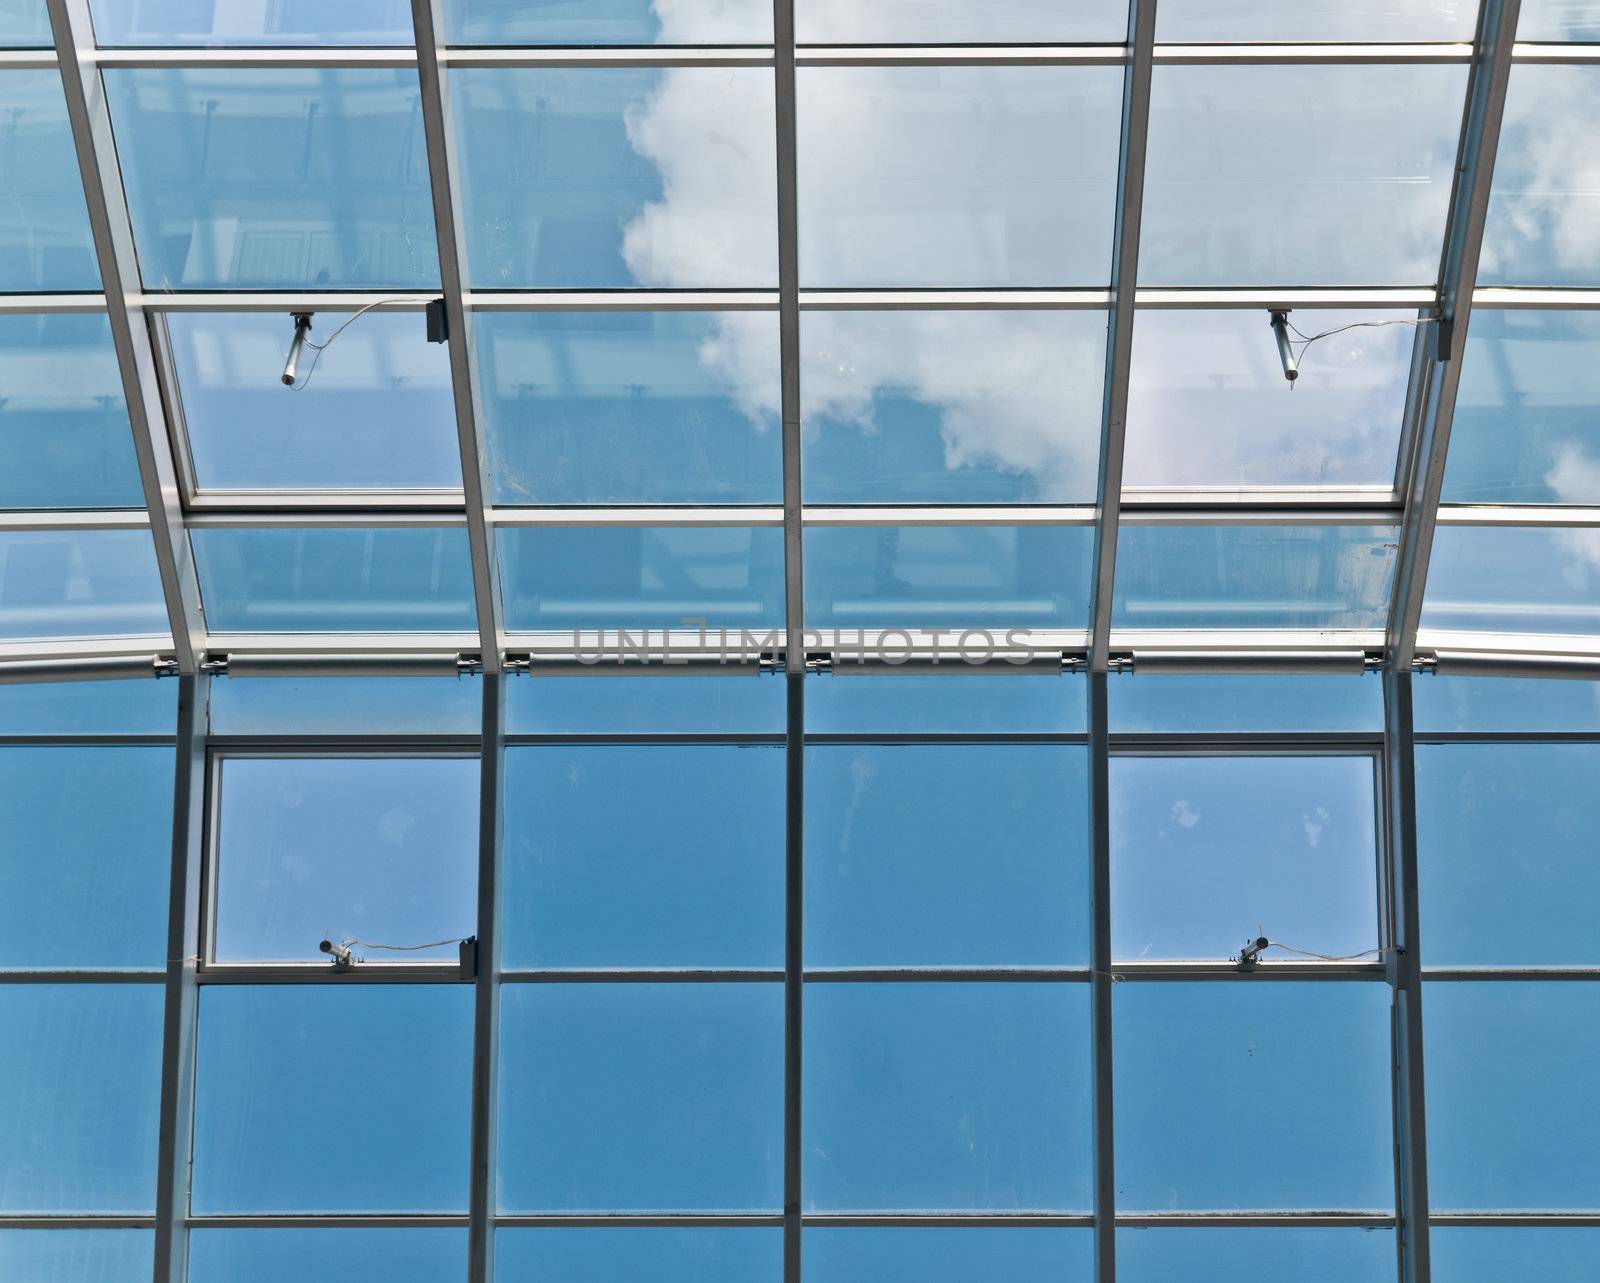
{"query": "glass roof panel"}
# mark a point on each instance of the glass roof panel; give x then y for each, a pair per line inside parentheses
(945, 1254)
(1527, 420)
(409, 1255)
(607, 22)
(1514, 579)
(662, 1254)
(1299, 175)
(279, 579)
(596, 178)
(24, 24)
(79, 583)
(44, 225)
(1177, 702)
(274, 178)
(1490, 1253)
(987, 701)
(1253, 576)
(631, 407)
(78, 1256)
(1240, 21)
(1559, 20)
(957, 176)
(250, 22)
(933, 22)
(663, 703)
(373, 412)
(1213, 1254)
(951, 406)
(1544, 207)
(1208, 405)
(65, 441)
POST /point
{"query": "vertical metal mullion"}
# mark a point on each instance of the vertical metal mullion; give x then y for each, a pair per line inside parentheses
(1119, 332)
(175, 1139)
(90, 117)
(789, 331)
(1105, 1182)
(486, 986)
(793, 967)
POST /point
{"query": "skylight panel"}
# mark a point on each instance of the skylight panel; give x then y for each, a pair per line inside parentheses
(44, 226)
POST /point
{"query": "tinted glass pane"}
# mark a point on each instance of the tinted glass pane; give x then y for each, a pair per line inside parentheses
(1308, 175)
(370, 850)
(374, 411)
(332, 1098)
(608, 22)
(952, 406)
(1514, 580)
(1543, 207)
(1362, 20)
(1490, 1253)
(643, 856)
(279, 579)
(44, 226)
(77, 1256)
(1214, 1255)
(1253, 576)
(726, 704)
(946, 855)
(663, 1255)
(1229, 1069)
(137, 707)
(557, 579)
(955, 577)
(957, 176)
(79, 583)
(87, 857)
(607, 177)
(1258, 702)
(1496, 1138)
(631, 407)
(333, 705)
(1505, 704)
(906, 22)
(1208, 404)
(635, 1097)
(945, 1255)
(1559, 20)
(24, 24)
(248, 22)
(276, 178)
(980, 701)
(938, 1097)
(64, 435)
(1207, 853)
(281, 1255)
(80, 1079)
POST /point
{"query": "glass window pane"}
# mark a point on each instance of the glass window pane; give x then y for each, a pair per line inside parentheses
(946, 1255)
(79, 583)
(660, 1254)
(1507, 579)
(910, 22)
(64, 435)
(1490, 1254)
(608, 22)
(947, 1097)
(983, 578)
(80, 1086)
(643, 856)
(1559, 20)
(77, 1256)
(248, 22)
(382, 579)
(372, 412)
(332, 1098)
(1216, 1255)
(946, 855)
(371, 850)
(1208, 404)
(582, 581)
(308, 178)
(1299, 175)
(24, 24)
(631, 407)
(44, 224)
(1253, 576)
(1308, 20)
(282, 1255)
(1511, 1118)
(1214, 1084)
(1505, 704)
(1543, 206)
(952, 406)
(1208, 853)
(725, 704)
(641, 1097)
(981, 701)
(598, 178)
(1257, 702)
(957, 176)
(333, 705)
(85, 865)
(134, 707)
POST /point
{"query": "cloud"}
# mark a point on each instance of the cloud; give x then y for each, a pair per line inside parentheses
(1185, 814)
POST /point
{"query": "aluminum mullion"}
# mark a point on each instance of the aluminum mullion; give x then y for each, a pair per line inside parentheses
(789, 335)
(1119, 337)
(90, 116)
(1436, 373)
(794, 976)
(1101, 980)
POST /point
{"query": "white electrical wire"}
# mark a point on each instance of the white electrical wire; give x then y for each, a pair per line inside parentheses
(1308, 339)
(1330, 957)
(349, 943)
(320, 348)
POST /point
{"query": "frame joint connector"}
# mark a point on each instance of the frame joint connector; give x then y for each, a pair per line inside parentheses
(214, 664)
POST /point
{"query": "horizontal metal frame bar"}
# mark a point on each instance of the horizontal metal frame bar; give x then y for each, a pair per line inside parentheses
(300, 973)
(1565, 975)
(85, 1222)
(86, 976)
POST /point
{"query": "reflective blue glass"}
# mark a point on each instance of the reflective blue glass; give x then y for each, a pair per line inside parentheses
(24, 24)
(79, 583)
(643, 856)
(332, 1098)
(951, 406)
(381, 579)
(1212, 1254)
(285, 1255)
(1491, 1254)
(1543, 207)
(631, 407)
(1511, 1118)
(993, 579)
(957, 176)
(946, 855)
(1253, 576)
(1257, 702)
(1509, 579)
(946, 1255)
(77, 1256)
(1505, 704)
(247, 22)
(372, 412)
(608, 22)
(64, 435)
(641, 1097)
(333, 705)
(44, 224)
(981, 701)
(1208, 853)
(80, 1079)
(278, 178)
(660, 1254)
(907, 22)
(1307, 20)
(579, 581)
(730, 703)
(947, 1096)
(1299, 175)
(86, 862)
(1214, 1083)
(366, 849)
(140, 706)
(608, 177)
(1559, 20)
